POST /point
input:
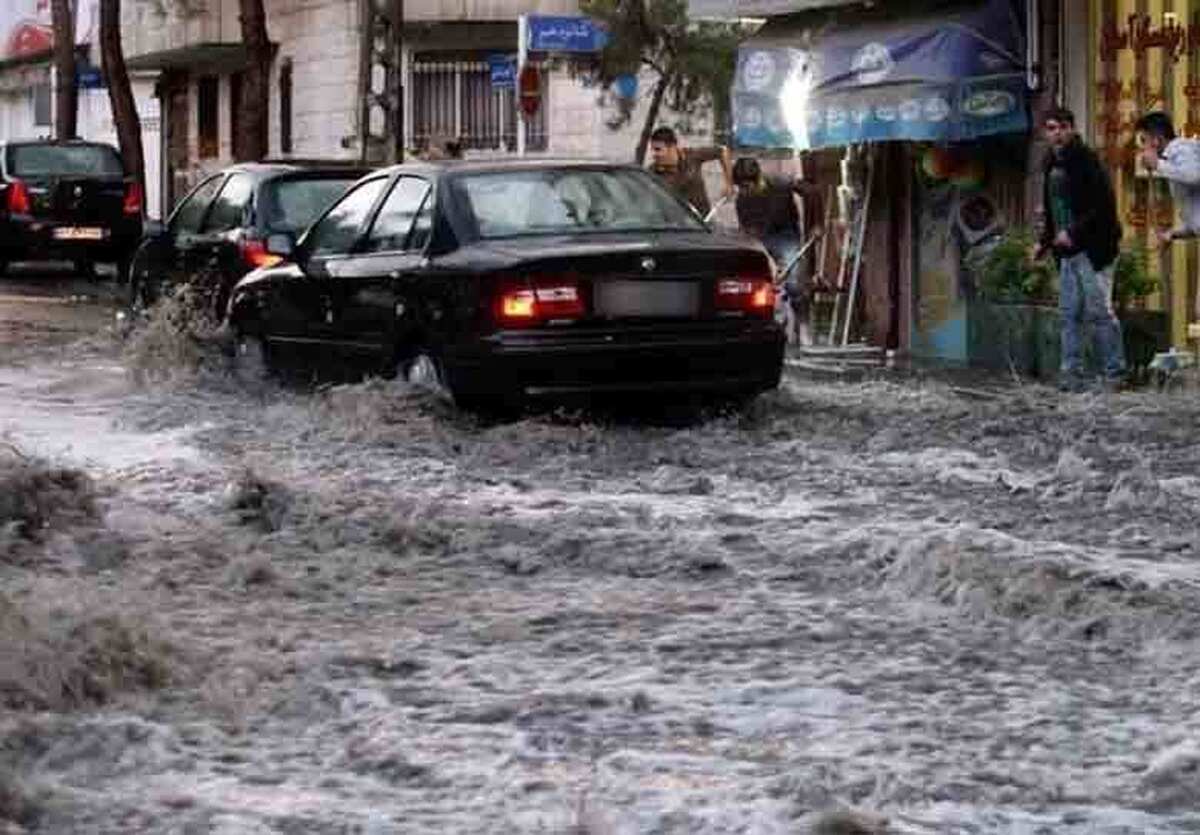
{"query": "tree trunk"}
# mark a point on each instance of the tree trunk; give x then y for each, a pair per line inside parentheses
(660, 90)
(252, 128)
(120, 94)
(66, 94)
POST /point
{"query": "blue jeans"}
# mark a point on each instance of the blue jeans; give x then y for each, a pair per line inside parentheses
(783, 249)
(1085, 300)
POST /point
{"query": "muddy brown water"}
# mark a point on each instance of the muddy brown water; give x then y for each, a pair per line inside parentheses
(964, 615)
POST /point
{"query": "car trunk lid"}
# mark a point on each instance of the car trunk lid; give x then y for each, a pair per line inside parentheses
(615, 279)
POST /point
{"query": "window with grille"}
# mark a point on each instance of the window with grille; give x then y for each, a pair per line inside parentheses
(206, 116)
(452, 96)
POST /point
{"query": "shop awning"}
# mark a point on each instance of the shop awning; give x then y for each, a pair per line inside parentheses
(212, 57)
(947, 74)
(732, 9)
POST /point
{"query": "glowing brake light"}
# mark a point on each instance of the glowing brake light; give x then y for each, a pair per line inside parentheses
(518, 304)
(254, 254)
(746, 294)
(538, 299)
(132, 204)
(18, 198)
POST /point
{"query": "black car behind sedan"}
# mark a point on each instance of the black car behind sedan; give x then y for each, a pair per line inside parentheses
(69, 200)
(219, 230)
(502, 281)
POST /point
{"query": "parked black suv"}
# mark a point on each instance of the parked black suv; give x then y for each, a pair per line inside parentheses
(218, 232)
(68, 200)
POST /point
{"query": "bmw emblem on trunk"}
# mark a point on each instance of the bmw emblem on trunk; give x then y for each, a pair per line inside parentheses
(79, 191)
(649, 264)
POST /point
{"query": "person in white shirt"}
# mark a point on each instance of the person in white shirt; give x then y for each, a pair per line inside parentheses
(1178, 162)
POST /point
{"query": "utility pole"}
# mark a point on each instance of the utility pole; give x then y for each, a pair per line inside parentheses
(398, 15)
(381, 79)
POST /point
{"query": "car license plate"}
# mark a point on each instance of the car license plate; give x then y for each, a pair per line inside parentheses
(647, 298)
(80, 233)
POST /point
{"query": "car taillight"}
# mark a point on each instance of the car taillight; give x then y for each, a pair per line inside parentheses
(254, 253)
(750, 294)
(18, 198)
(539, 299)
(132, 205)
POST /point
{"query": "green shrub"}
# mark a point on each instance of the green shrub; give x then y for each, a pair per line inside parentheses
(1132, 278)
(1008, 272)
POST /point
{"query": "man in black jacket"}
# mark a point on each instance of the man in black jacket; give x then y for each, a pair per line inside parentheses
(1083, 232)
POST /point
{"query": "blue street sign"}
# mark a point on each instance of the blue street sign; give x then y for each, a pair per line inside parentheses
(565, 34)
(89, 78)
(503, 71)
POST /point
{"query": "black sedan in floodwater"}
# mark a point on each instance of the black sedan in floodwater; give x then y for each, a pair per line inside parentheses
(495, 282)
(218, 231)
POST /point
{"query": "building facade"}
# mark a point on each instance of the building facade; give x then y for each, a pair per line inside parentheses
(1122, 58)
(314, 100)
(187, 61)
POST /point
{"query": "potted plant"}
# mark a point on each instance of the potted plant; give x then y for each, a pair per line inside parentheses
(1144, 332)
(1007, 272)
(1132, 279)
(1013, 317)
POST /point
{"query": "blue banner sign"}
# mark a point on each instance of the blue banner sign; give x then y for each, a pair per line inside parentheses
(88, 77)
(564, 34)
(951, 78)
(503, 70)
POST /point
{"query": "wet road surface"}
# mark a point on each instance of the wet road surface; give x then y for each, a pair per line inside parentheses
(352, 610)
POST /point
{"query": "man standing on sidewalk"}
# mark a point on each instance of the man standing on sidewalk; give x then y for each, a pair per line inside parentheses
(1084, 234)
(679, 168)
(1178, 162)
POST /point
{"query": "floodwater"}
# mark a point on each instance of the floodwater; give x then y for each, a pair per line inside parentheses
(958, 613)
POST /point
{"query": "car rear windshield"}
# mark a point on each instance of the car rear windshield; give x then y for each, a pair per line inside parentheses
(574, 200)
(291, 205)
(64, 160)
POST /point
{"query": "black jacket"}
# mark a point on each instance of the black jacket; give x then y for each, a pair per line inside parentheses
(1096, 229)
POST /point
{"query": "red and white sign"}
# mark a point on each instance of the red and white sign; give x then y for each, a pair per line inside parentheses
(25, 28)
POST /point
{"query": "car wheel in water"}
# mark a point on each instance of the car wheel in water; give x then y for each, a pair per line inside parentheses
(251, 359)
(424, 372)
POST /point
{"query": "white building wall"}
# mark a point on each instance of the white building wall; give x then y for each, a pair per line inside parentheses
(321, 39)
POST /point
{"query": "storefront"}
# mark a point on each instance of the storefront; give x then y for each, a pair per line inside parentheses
(934, 99)
(1144, 55)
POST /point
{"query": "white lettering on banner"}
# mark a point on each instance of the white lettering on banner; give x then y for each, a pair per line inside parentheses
(873, 63)
(910, 110)
(758, 71)
(937, 109)
(835, 117)
(885, 113)
(861, 114)
(989, 103)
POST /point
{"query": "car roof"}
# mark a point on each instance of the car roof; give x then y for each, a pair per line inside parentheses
(36, 141)
(268, 170)
(488, 166)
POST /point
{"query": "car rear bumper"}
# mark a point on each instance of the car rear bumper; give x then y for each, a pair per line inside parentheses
(36, 240)
(742, 357)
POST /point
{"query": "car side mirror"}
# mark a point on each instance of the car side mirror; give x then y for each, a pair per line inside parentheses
(154, 229)
(281, 244)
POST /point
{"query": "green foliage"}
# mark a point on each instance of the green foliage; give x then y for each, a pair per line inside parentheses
(694, 61)
(1132, 278)
(1008, 272)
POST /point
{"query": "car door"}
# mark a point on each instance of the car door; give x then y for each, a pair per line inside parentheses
(213, 252)
(302, 304)
(375, 286)
(185, 224)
